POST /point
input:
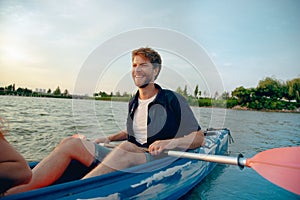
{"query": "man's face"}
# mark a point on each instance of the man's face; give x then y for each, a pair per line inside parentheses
(142, 71)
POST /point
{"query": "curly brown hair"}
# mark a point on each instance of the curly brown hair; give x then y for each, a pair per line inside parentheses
(150, 54)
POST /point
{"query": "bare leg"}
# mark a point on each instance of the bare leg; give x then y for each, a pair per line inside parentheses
(125, 155)
(52, 167)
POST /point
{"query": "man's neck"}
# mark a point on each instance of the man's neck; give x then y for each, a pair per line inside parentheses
(148, 91)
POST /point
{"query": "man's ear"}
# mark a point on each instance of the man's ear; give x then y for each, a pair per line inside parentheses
(156, 72)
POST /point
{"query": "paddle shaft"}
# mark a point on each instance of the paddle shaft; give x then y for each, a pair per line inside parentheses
(240, 161)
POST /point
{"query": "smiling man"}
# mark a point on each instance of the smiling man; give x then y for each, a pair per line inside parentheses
(158, 119)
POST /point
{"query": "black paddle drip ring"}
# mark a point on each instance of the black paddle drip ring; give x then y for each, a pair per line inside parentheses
(241, 166)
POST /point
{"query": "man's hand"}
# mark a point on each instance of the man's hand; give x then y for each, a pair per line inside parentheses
(159, 146)
(190, 141)
(104, 140)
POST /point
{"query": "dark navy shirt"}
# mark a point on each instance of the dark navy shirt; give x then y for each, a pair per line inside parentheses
(169, 116)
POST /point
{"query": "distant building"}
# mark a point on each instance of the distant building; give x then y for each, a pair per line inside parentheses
(39, 90)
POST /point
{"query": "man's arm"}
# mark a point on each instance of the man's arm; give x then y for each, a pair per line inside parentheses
(122, 135)
(190, 141)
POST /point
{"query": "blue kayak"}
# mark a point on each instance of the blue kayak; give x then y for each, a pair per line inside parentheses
(166, 178)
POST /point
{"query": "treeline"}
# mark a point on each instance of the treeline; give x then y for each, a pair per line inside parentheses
(112, 97)
(11, 90)
(270, 94)
(204, 100)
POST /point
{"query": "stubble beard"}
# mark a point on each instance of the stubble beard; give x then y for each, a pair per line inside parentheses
(144, 83)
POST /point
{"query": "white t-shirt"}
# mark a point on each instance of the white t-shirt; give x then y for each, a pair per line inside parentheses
(140, 120)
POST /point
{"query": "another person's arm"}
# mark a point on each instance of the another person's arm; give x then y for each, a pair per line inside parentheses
(120, 136)
(14, 170)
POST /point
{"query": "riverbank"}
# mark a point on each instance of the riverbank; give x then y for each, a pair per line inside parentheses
(205, 103)
(238, 107)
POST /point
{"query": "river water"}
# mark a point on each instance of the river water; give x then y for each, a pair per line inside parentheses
(38, 124)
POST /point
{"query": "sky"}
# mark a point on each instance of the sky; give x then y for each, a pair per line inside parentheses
(46, 44)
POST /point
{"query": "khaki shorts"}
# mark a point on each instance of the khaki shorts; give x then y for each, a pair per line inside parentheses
(101, 152)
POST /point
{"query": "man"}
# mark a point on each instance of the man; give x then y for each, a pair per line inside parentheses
(157, 119)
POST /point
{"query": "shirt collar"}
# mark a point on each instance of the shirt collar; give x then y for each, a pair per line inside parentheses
(158, 96)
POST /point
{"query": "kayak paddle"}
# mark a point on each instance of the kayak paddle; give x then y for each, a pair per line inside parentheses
(280, 166)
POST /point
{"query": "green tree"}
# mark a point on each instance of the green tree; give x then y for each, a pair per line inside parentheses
(270, 87)
(182, 92)
(10, 88)
(225, 95)
(242, 94)
(118, 94)
(216, 95)
(185, 91)
(179, 90)
(196, 92)
(24, 92)
(20, 91)
(66, 93)
(293, 90)
(125, 94)
(57, 91)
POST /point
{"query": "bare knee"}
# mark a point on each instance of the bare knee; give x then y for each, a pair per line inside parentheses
(68, 144)
(75, 148)
(67, 140)
(132, 153)
(128, 146)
